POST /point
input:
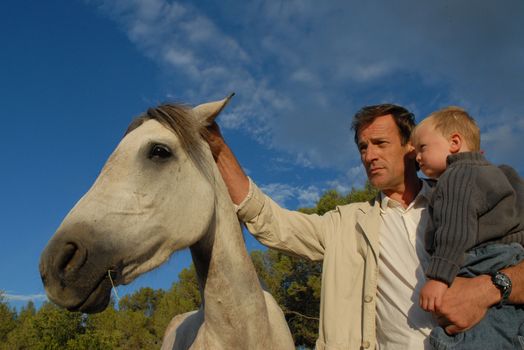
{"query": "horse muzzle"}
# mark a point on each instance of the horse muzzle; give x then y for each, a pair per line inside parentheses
(74, 270)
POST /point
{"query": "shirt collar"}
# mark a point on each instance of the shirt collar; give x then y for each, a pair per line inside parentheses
(421, 199)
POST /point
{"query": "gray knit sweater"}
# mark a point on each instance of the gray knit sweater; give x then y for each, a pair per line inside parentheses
(474, 202)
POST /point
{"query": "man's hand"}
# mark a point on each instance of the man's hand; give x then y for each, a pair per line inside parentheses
(234, 177)
(466, 302)
(215, 139)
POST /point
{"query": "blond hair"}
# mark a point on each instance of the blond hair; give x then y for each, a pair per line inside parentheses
(453, 119)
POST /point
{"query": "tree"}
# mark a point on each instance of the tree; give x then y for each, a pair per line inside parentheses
(49, 328)
(7, 319)
(101, 331)
(23, 336)
(145, 300)
(183, 296)
(129, 327)
(295, 284)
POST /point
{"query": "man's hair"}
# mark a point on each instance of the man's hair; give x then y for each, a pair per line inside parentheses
(455, 119)
(404, 119)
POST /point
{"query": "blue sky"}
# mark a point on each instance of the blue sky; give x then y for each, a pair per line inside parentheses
(73, 74)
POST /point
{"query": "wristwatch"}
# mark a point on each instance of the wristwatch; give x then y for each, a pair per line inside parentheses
(503, 283)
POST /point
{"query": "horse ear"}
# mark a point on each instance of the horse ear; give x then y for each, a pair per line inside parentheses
(207, 112)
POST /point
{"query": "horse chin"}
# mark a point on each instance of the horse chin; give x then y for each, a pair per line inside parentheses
(97, 300)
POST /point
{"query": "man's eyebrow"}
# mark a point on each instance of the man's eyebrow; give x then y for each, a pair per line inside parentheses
(379, 138)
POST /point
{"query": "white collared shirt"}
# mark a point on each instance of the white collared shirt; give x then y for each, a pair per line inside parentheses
(401, 323)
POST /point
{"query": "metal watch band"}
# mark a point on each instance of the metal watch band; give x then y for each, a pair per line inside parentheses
(503, 283)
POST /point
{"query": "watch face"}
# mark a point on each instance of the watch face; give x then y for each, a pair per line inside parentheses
(503, 283)
(502, 280)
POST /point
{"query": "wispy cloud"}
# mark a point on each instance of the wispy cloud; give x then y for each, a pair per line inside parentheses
(355, 177)
(302, 68)
(285, 194)
(24, 298)
(503, 143)
(206, 61)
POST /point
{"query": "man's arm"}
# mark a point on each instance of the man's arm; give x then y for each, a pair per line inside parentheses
(292, 232)
(236, 180)
(468, 299)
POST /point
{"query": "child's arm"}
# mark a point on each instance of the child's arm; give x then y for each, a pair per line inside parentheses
(431, 295)
(456, 224)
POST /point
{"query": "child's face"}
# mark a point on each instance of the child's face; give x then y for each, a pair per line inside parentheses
(432, 150)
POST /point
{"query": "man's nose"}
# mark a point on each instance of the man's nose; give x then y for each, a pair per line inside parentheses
(370, 155)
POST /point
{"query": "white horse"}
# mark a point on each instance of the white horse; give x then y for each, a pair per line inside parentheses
(159, 192)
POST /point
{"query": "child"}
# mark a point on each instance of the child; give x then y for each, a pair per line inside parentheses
(475, 225)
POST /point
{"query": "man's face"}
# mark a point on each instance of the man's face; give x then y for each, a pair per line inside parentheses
(383, 154)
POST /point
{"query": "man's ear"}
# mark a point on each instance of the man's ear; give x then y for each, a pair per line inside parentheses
(207, 112)
(411, 150)
(455, 142)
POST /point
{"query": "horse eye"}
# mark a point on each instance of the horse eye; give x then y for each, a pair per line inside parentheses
(159, 152)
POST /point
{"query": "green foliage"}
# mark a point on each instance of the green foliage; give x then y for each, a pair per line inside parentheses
(144, 300)
(24, 335)
(183, 296)
(102, 331)
(367, 193)
(295, 284)
(7, 319)
(50, 328)
(138, 323)
(331, 199)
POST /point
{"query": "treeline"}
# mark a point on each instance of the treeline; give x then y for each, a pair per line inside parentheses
(139, 319)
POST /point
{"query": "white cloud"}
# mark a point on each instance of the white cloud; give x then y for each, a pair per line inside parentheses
(305, 76)
(284, 194)
(231, 120)
(355, 177)
(302, 68)
(24, 298)
(503, 143)
(308, 197)
(280, 193)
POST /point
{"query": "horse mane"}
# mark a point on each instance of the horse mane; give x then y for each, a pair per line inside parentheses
(189, 130)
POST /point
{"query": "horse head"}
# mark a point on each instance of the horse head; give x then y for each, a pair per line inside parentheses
(138, 211)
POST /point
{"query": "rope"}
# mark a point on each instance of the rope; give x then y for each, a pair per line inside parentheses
(287, 311)
(113, 285)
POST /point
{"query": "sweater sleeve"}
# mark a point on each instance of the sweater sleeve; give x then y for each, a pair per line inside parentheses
(455, 219)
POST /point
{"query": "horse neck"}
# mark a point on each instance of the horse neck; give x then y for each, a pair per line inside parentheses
(231, 292)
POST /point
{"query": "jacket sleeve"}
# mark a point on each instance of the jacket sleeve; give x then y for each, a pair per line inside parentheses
(288, 231)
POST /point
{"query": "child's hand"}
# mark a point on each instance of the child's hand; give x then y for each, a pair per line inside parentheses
(431, 295)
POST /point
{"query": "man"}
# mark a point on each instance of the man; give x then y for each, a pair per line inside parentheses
(372, 252)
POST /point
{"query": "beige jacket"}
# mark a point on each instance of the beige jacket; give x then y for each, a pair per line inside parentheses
(346, 239)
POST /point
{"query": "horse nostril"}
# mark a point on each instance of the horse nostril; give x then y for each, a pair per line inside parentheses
(71, 258)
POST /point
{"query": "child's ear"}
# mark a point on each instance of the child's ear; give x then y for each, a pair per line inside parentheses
(455, 142)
